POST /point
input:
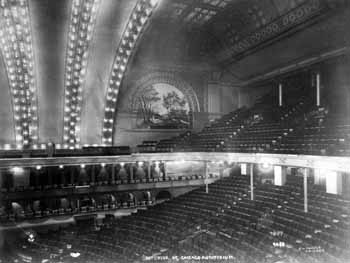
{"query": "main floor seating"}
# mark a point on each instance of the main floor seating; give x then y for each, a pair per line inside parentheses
(222, 225)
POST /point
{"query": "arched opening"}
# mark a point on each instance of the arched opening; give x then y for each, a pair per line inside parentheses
(64, 203)
(127, 199)
(105, 201)
(163, 196)
(86, 203)
(17, 209)
(148, 197)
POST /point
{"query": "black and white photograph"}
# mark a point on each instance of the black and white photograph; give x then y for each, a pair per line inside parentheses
(174, 131)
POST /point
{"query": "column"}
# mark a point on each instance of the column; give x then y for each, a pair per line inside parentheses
(251, 181)
(62, 175)
(280, 102)
(71, 175)
(2, 179)
(37, 178)
(149, 171)
(221, 169)
(156, 171)
(113, 174)
(306, 172)
(49, 175)
(131, 172)
(165, 172)
(318, 90)
(206, 174)
(93, 175)
(280, 175)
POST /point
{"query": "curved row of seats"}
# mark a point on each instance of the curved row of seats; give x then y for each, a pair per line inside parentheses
(53, 206)
(223, 222)
(296, 129)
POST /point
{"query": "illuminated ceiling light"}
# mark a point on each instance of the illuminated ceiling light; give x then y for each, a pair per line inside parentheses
(38, 167)
(17, 170)
(153, 2)
(143, 20)
(74, 254)
(7, 147)
(265, 165)
(61, 167)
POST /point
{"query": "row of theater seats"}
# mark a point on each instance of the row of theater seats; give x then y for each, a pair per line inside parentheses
(224, 222)
(242, 130)
(165, 145)
(9, 217)
(211, 138)
(297, 129)
(43, 207)
(220, 128)
(326, 134)
(46, 186)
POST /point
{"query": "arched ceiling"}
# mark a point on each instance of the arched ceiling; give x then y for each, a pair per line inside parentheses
(63, 62)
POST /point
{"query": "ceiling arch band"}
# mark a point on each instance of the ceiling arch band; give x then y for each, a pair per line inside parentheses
(81, 28)
(136, 24)
(17, 51)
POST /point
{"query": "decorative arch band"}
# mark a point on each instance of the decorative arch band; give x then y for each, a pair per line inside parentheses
(132, 33)
(17, 51)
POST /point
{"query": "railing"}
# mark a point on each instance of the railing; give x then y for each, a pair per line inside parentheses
(341, 164)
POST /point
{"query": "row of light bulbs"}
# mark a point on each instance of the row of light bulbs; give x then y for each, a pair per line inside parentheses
(16, 46)
(18, 169)
(137, 21)
(17, 50)
(80, 34)
(43, 146)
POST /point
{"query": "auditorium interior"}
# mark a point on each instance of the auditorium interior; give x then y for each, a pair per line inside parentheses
(174, 131)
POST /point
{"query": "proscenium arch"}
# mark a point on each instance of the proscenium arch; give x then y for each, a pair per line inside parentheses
(171, 79)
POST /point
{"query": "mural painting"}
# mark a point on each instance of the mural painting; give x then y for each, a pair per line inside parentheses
(161, 106)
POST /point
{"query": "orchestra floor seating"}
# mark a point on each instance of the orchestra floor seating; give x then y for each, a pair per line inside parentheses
(224, 223)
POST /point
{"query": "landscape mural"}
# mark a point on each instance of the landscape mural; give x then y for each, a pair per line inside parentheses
(161, 106)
